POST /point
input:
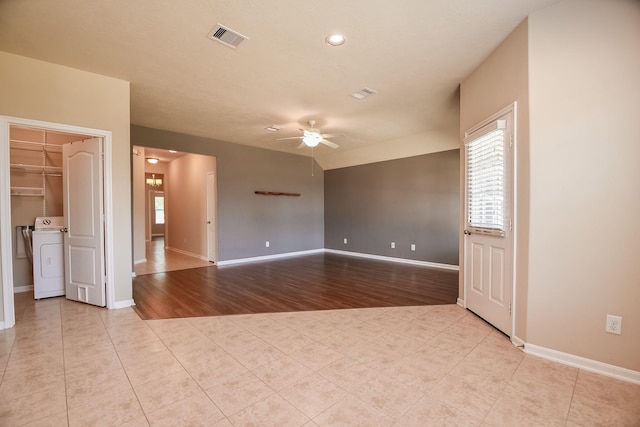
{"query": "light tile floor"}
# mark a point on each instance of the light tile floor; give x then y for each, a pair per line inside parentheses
(67, 363)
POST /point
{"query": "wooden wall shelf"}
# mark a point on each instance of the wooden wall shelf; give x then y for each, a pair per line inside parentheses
(277, 193)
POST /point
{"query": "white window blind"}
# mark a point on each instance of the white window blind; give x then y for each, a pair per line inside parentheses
(486, 180)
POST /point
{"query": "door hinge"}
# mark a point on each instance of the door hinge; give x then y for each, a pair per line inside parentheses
(511, 141)
(510, 225)
(509, 308)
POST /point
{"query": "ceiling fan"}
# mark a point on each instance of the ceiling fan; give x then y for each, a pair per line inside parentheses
(311, 137)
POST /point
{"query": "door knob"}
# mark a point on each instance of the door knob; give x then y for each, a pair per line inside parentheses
(64, 230)
(208, 222)
(467, 232)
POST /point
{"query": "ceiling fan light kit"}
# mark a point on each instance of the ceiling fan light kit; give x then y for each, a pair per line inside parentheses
(335, 39)
(311, 137)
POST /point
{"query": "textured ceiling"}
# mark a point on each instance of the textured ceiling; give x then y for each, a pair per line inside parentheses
(414, 53)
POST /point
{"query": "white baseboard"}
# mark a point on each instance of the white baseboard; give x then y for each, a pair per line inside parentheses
(191, 254)
(139, 261)
(584, 363)
(517, 341)
(268, 257)
(20, 289)
(2, 326)
(123, 304)
(334, 251)
(399, 260)
(460, 302)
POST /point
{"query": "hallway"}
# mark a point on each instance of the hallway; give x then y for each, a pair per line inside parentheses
(160, 259)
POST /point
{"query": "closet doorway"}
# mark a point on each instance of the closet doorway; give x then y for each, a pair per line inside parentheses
(34, 167)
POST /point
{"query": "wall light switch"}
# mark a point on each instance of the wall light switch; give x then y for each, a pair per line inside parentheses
(413, 246)
(345, 241)
(393, 245)
(266, 244)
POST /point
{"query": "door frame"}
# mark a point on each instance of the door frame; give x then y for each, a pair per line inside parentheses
(513, 109)
(5, 213)
(212, 215)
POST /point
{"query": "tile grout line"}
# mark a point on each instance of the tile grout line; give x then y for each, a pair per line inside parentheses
(115, 348)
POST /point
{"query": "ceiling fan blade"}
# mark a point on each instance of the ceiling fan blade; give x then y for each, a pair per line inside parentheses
(291, 137)
(303, 145)
(329, 143)
(331, 135)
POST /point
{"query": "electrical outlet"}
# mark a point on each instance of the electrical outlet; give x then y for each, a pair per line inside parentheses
(345, 241)
(614, 324)
(413, 246)
(393, 245)
(266, 244)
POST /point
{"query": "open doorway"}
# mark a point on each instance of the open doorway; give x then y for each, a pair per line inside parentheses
(43, 174)
(170, 190)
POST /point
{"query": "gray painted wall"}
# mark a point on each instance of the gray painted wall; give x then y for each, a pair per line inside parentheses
(246, 220)
(412, 200)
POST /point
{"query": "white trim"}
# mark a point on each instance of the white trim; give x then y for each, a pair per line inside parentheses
(21, 289)
(269, 257)
(140, 261)
(5, 227)
(584, 363)
(191, 254)
(398, 260)
(109, 246)
(517, 341)
(5, 201)
(514, 216)
(123, 304)
(461, 303)
(2, 326)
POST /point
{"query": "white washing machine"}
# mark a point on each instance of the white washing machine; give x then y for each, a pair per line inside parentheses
(48, 257)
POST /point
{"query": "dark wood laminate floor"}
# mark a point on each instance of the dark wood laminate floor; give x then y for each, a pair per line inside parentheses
(314, 282)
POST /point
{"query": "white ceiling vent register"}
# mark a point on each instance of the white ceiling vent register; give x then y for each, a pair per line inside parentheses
(226, 36)
(362, 94)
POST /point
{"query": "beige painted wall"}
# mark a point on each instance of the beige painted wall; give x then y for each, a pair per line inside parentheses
(43, 91)
(185, 203)
(499, 81)
(585, 195)
(434, 141)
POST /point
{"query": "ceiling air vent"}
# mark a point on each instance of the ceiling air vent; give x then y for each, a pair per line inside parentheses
(362, 94)
(226, 36)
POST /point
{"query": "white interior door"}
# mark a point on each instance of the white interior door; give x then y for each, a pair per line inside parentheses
(211, 218)
(489, 200)
(83, 212)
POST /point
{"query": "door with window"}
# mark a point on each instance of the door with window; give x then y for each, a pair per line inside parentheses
(489, 201)
(157, 213)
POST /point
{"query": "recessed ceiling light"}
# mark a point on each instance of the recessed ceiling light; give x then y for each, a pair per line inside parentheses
(273, 128)
(335, 39)
(173, 151)
(152, 160)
